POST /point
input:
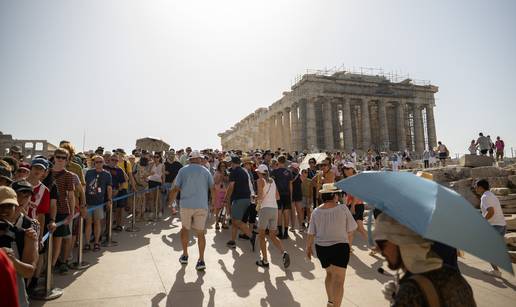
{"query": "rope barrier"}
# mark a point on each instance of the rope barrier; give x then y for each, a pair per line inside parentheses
(91, 209)
(49, 292)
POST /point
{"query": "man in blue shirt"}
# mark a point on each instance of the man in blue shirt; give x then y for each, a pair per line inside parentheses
(194, 182)
(98, 190)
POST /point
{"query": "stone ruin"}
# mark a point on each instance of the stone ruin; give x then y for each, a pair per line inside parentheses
(502, 180)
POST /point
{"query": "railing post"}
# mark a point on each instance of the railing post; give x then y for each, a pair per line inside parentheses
(80, 265)
(156, 204)
(133, 228)
(48, 293)
(109, 241)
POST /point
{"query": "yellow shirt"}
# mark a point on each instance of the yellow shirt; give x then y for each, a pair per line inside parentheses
(128, 169)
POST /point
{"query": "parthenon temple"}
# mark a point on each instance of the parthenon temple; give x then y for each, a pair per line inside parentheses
(342, 111)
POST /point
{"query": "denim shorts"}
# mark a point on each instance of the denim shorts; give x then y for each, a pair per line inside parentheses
(239, 207)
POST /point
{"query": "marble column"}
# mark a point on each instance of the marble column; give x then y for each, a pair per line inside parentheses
(419, 138)
(400, 126)
(346, 121)
(279, 130)
(366, 125)
(287, 137)
(430, 125)
(302, 125)
(311, 137)
(384, 128)
(328, 125)
(295, 135)
(272, 136)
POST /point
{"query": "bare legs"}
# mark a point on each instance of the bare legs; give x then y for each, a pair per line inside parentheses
(334, 283)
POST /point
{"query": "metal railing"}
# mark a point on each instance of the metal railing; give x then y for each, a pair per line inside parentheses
(49, 292)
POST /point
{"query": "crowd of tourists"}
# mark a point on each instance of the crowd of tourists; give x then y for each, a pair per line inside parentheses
(483, 145)
(262, 195)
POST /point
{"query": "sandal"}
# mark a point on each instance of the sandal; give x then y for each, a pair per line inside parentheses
(87, 247)
(224, 226)
(96, 247)
(119, 228)
(217, 227)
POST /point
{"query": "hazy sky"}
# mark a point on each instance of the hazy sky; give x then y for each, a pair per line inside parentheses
(187, 70)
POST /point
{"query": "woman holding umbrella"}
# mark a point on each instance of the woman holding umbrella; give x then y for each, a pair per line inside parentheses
(329, 229)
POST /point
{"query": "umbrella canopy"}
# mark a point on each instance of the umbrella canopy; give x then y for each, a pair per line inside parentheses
(319, 157)
(431, 210)
(152, 144)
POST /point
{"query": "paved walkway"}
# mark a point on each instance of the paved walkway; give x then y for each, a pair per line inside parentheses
(143, 270)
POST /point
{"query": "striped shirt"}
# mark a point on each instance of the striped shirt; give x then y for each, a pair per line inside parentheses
(64, 181)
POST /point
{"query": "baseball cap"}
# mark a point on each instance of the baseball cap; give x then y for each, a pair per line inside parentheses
(349, 165)
(262, 168)
(22, 186)
(236, 160)
(24, 165)
(294, 165)
(194, 154)
(8, 196)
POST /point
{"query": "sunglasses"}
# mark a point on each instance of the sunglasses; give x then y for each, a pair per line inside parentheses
(60, 157)
(157, 157)
(22, 170)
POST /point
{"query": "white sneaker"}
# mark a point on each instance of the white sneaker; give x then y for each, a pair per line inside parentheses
(494, 273)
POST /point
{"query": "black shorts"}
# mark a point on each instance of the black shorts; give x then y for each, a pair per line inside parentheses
(359, 212)
(336, 254)
(284, 202)
(442, 156)
(297, 197)
(63, 230)
(153, 184)
(483, 151)
(122, 203)
(250, 214)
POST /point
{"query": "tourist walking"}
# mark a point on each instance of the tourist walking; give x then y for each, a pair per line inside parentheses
(297, 198)
(239, 195)
(426, 158)
(483, 144)
(329, 229)
(443, 153)
(492, 212)
(500, 146)
(194, 182)
(221, 180)
(268, 216)
(283, 179)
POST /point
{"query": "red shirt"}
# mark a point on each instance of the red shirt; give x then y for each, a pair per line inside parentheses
(9, 288)
(40, 201)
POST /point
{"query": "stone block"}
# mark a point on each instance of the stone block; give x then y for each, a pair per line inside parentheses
(485, 171)
(510, 219)
(464, 188)
(512, 181)
(500, 191)
(475, 161)
(512, 254)
(449, 173)
(510, 238)
(497, 182)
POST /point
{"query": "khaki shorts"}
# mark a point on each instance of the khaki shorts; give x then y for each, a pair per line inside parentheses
(194, 218)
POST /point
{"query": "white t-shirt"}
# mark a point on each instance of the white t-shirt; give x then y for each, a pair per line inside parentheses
(487, 200)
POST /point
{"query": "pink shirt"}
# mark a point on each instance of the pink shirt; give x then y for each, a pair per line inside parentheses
(499, 145)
